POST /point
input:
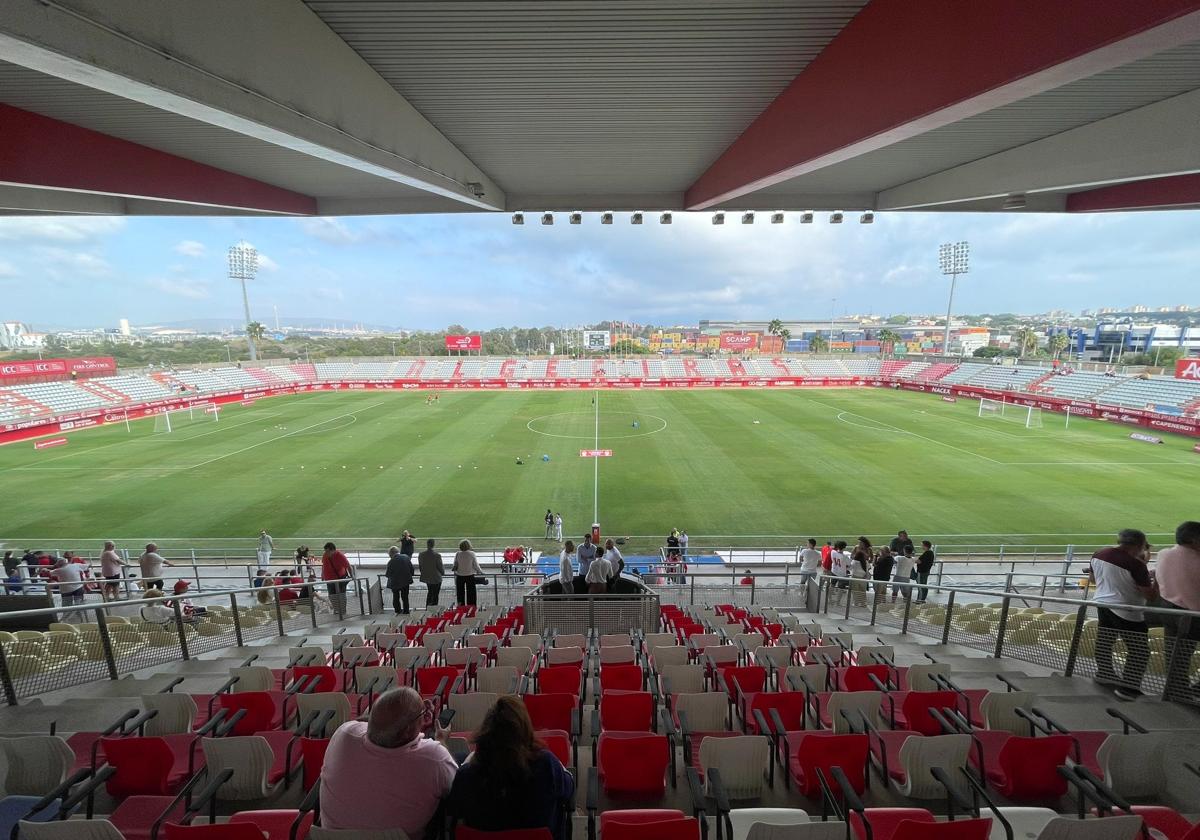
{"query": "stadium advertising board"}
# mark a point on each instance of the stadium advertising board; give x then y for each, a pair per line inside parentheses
(57, 367)
(463, 342)
(596, 339)
(736, 342)
(47, 444)
(1187, 369)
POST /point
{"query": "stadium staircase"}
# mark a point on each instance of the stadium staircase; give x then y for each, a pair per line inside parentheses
(18, 405)
(266, 376)
(1035, 386)
(892, 367)
(736, 368)
(414, 369)
(167, 379)
(935, 372)
(1193, 407)
(733, 700)
(101, 390)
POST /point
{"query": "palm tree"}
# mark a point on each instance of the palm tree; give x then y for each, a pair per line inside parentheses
(774, 326)
(890, 337)
(784, 334)
(1027, 340)
(1059, 343)
(256, 331)
(818, 344)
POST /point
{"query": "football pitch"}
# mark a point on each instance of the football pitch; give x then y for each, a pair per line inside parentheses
(731, 467)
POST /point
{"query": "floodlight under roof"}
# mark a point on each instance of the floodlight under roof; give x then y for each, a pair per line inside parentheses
(635, 219)
(748, 218)
(518, 218)
(606, 218)
(576, 218)
(836, 218)
(664, 219)
(806, 218)
(776, 218)
(867, 218)
(718, 218)
(547, 218)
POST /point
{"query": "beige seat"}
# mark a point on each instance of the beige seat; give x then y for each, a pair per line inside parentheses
(615, 640)
(794, 677)
(571, 640)
(307, 655)
(921, 676)
(618, 655)
(36, 764)
(252, 678)
(777, 657)
(437, 641)
(705, 712)
(865, 655)
(385, 675)
(470, 710)
(387, 642)
(920, 754)
(464, 657)
(721, 655)
(499, 679)
(742, 760)
(653, 640)
(70, 830)
(175, 713)
(662, 657)
(855, 704)
(29, 635)
(482, 641)
(516, 657)
(412, 657)
(347, 640)
(249, 757)
(359, 655)
(527, 640)
(564, 656)
(334, 701)
(999, 709)
(682, 679)
(782, 824)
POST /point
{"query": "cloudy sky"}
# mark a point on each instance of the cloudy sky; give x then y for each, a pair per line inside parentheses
(481, 271)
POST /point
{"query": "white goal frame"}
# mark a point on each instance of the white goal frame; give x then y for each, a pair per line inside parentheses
(1029, 416)
(201, 412)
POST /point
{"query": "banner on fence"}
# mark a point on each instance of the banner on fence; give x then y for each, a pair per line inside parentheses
(1146, 438)
(46, 444)
(595, 453)
(463, 342)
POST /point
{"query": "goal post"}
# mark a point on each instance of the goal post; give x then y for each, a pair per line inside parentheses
(1029, 416)
(169, 421)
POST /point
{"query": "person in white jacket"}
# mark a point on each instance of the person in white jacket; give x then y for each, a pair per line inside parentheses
(566, 567)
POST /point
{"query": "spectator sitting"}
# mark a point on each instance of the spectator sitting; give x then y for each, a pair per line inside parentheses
(156, 613)
(383, 773)
(748, 580)
(190, 612)
(511, 781)
(14, 584)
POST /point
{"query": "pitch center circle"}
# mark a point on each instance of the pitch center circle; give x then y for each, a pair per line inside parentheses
(545, 425)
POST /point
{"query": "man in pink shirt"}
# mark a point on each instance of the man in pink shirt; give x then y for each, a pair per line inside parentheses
(1177, 570)
(385, 773)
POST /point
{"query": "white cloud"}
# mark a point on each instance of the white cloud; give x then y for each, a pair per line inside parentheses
(266, 263)
(61, 228)
(61, 263)
(8, 270)
(181, 287)
(190, 248)
(333, 231)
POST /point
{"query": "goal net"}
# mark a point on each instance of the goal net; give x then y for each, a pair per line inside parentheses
(170, 421)
(1029, 416)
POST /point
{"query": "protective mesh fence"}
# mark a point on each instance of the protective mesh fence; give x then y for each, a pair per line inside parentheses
(605, 613)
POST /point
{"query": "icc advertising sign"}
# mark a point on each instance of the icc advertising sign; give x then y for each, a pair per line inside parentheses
(463, 342)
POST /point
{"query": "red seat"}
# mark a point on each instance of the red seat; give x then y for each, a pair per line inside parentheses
(677, 828)
(916, 824)
(621, 677)
(429, 678)
(312, 750)
(1167, 821)
(913, 711)
(858, 677)
(788, 706)
(262, 713)
(633, 764)
(276, 824)
(560, 679)
(558, 741)
(552, 711)
(1027, 768)
(135, 816)
(626, 711)
(156, 766)
(812, 751)
(748, 678)
(218, 831)
(326, 677)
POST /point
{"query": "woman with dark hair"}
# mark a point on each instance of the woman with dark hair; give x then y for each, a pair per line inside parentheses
(511, 781)
(861, 561)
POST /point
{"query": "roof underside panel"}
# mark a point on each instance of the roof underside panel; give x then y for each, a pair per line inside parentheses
(617, 96)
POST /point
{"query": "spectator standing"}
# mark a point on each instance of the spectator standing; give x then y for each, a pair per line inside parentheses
(336, 572)
(399, 578)
(69, 577)
(408, 546)
(432, 570)
(151, 565)
(748, 579)
(566, 568)
(899, 543)
(111, 569)
(10, 563)
(586, 553)
(558, 527)
(511, 781)
(598, 573)
(810, 561)
(881, 573)
(826, 555)
(303, 560)
(905, 564)
(466, 569)
(924, 567)
(683, 543)
(839, 570)
(1123, 580)
(860, 570)
(388, 747)
(613, 555)
(1177, 572)
(265, 546)
(549, 524)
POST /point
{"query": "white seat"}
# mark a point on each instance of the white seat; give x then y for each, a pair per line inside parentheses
(70, 830)
(617, 655)
(1135, 765)
(1107, 828)
(252, 678)
(796, 675)
(919, 754)
(470, 710)
(615, 640)
(358, 655)
(175, 713)
(385, 675)
(778, 657)
(499, 679)
(36, 764)
(569, 640)
(249, 757)
(855, 703)
(347, 640)
(532, 641)
(307, 655)
(866, 654)
(743, 818)
(334, 701)
(653, 640)
(1025, 822)
(920, 676)
(704, 712)
(999, 710)
(564, 656)
(662, 657)
(412, 657)
(516, 657)
(682, 679)
(742, 760)
(721, 654)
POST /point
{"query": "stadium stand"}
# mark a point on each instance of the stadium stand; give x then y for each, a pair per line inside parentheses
(1004, 378)
(1148, 393)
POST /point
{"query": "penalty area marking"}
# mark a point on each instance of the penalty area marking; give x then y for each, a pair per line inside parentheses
(884, 427)
(592, 437)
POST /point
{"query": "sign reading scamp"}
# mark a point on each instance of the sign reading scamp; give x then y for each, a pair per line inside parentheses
(736, 341)
(463, 342)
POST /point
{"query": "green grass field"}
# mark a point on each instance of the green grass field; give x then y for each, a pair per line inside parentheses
(826, 463)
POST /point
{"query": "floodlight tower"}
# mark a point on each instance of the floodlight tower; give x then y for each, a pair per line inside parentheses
(954, 260)
(243, 266)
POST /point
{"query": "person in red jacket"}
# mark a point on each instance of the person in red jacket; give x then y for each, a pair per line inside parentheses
(827, 556)
(336, 572)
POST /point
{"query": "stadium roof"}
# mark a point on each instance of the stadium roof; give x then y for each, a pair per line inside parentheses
(337, 107)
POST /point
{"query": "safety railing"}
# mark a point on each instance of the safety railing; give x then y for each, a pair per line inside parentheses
(51, 648)
(1156, 654)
